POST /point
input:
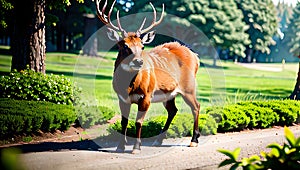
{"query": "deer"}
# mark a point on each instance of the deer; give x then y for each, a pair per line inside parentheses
(143, 77)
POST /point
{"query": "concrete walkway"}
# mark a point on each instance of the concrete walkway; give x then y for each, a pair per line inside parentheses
(173, 154)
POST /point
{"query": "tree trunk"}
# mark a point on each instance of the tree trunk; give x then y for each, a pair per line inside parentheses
(20, 37)
(28, 44)
(295, 95)
(60, 39)
(37, 46)
(249, 53)
(91, 43)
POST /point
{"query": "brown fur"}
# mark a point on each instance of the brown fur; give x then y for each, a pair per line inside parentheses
(155, 76)
(133, 40)
(167, 69)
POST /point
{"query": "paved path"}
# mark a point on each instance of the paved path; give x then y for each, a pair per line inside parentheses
(263, 67)
(174, 154)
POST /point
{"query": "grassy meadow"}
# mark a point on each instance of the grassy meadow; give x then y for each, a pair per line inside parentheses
(226, 83)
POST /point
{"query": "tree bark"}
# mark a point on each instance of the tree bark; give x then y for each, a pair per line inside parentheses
(295, 95)
(28, 44)
(37, 46)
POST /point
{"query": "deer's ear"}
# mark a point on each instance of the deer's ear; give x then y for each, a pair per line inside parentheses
(148, 37)
(113, 35)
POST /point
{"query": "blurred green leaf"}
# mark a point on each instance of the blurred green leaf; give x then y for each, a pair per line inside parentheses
(233, 155)
(226, 162)
(289, 136)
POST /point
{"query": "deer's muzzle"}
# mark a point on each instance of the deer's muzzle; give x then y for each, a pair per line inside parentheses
(136, 64)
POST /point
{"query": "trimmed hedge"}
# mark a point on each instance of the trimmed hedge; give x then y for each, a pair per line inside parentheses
(19, 117)
(31, 85)
(93, 115)
(232, 117)
(255, 114)
(181, 126)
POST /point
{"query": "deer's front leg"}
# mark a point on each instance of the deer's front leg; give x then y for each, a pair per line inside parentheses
(125, 109)
(143, 106)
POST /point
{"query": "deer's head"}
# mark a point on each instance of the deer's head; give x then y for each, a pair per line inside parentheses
(131, 44)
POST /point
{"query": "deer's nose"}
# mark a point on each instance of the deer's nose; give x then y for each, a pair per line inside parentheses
(138, 62)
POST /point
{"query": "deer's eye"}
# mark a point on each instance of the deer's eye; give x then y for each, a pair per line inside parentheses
(143, 48)
(126, 46)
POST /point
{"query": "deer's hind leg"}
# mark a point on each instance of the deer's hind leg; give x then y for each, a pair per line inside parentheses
(172, 110)
(190, 99)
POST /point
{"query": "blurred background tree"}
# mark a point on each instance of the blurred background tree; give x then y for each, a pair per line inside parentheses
(292, 38)
(222, 22)
(25, 22)
(244, 30)
(261, 17)
(292, 33)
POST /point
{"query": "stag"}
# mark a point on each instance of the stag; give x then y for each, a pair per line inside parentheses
(158, 75)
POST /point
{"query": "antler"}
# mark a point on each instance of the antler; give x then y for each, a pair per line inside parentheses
(154, 22)
(106, 18)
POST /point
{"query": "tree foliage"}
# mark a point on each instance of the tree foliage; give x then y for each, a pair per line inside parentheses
(4, 8)
(284, 13)
(292, 38)
(222, 22)
(232, 25)
(292, 34)
(7, 6)
(260, 15)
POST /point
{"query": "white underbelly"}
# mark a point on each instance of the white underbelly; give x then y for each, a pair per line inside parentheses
(163, 97)
(158, 96)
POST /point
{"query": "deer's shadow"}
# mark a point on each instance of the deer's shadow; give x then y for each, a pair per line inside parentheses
(101, 144)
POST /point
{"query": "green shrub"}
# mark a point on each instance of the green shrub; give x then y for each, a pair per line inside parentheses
(207, 125)
(286, 156)
(31, 85)
(182, 125)
(92, 115)
(287, 110)
(255, 114)
(19, 117)
(151, 127)
(260, 116)
(231, 117)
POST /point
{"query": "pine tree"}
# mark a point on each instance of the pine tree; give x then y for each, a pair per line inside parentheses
(260, 15)
(292, 35)
(223, 23)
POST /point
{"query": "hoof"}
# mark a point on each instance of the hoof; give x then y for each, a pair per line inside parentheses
(157, 143)
(193, 144)
(136, 151)
(119, 150)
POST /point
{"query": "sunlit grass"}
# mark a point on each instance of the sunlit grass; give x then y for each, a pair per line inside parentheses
(5, 63)
(227, 83)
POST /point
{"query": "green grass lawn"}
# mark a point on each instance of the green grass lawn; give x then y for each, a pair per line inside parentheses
(226, 83)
